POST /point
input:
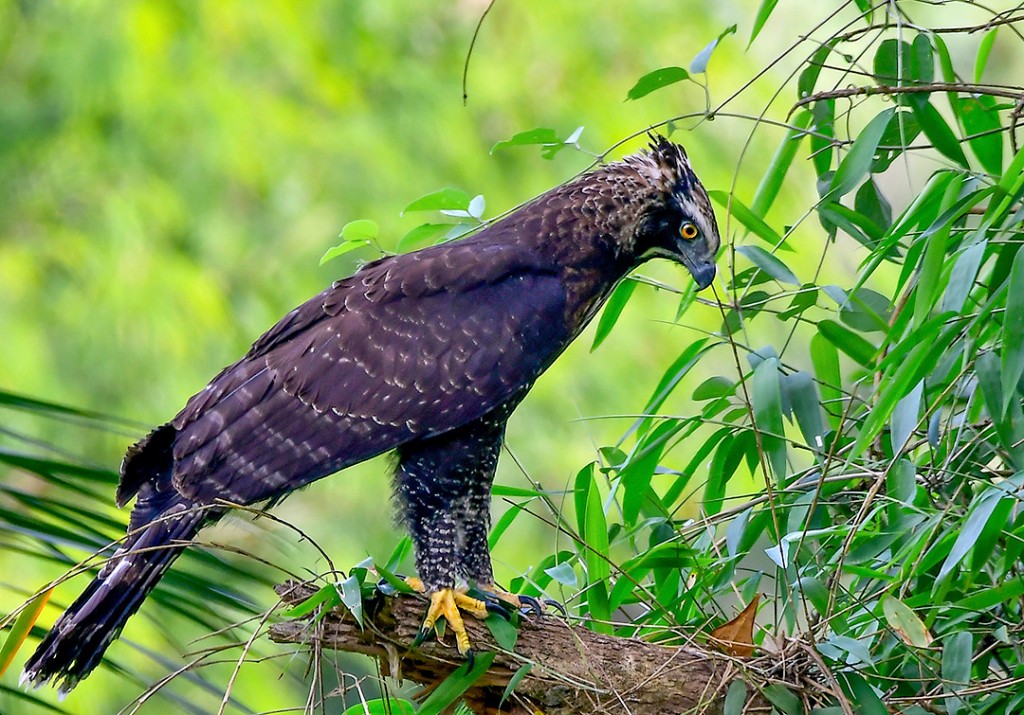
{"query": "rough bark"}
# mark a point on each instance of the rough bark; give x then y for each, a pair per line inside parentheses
(574, 669)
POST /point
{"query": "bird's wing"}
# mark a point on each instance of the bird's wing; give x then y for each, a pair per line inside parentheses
(409, 347)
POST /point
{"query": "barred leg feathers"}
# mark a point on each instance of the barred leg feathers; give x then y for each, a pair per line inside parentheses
(76, 643)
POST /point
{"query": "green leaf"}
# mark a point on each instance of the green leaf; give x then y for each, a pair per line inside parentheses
(446, 199)
(343, 248)
(594, 530)
(957, 654)
(713, 387)
(327, 596)
(849, 342)
(980, 120)
(809, 76)
(861, 693)
(504, 633)
(453, 687)
(857, 162)
(736, 695)
(938, 131)
(905, 417)
(673, 375)
(422, 235)
(866, 311)
(352, 597)
(1013, 333)
(768, 263)
(984, 50)
(771, 181)
(763, 13)
(748, 218)
(612, 310)
(899, 63)
(516, 678)
(699, 65)
(902, 619)
(899, 134)
(637, 474)
(540, 135)
(360, 229)
(806, 298)
(656, 80)
(22, 627)
(825, 359)
(988, 597)
(382, 706)
(783, 698)
(982, 509)
(802, 394)
(961, 278)
(767, 402)
(564, 573)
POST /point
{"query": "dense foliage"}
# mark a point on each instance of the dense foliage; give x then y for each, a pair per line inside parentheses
(844, 436)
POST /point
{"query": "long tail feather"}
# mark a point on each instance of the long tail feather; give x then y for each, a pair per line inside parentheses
(76, 643)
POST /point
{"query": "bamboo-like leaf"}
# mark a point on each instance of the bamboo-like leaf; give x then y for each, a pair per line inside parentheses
(754, 223)
(767, 402)
(763, 13)
(905, 417)
(802, 395)
(21, 628)
(957, 662)
(455, 685)
(769, 263)
(984, 50)
(516, 678)
(775, 174)
(905, 623)
(505, 634)
(857, 162)
(981, 510)
(938, 132)
(612, 310)
(1013, 333)
(735, 698)
(980, 119)
(849, 342)
(825, 359)
(961, 279)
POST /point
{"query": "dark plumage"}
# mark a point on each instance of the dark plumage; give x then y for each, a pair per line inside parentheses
(426, 353)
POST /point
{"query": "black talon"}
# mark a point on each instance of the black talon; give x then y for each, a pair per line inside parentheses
(492, 603)
(384, 586)
(530, 604)
(423, 634)
(470, 659)
(557, 606)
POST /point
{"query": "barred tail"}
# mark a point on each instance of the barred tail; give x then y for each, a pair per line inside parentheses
(76, 643)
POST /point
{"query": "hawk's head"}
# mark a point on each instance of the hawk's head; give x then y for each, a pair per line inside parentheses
(677, 221)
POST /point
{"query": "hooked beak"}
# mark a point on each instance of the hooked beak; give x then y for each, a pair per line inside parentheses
(703, 272)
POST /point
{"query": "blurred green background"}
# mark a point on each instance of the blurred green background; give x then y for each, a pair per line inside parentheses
(171, 173)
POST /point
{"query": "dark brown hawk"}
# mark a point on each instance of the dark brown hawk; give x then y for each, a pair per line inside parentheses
(427, 354)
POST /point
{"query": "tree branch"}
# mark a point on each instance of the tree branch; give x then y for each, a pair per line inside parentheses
(574, 670)
(867, 91)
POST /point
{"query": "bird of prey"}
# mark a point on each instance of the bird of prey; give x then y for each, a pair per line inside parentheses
(426, 354)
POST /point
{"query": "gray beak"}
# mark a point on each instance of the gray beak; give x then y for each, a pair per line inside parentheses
(703, 273)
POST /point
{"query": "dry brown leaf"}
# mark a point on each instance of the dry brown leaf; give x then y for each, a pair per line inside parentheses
(737, 636)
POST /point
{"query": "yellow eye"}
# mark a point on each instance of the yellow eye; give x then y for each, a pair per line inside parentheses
(688, 231)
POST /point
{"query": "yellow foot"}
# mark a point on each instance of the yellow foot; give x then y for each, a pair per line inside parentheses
(448, 603)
